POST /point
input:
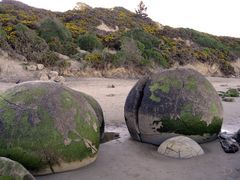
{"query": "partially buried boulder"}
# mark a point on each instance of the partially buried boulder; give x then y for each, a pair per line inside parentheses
(10, 169)
(173, 102)
(180, 147)
(48, 127)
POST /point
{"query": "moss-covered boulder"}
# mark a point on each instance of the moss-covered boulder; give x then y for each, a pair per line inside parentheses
(10, 169)
(48, 127)
(173, 102)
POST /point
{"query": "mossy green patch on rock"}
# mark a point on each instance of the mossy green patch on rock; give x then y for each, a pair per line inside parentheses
(186, 110)
(25, 96)
(98, 110)
(29, 160)
(154, 87)
(32, 145)
(164, 84)
(191, 83)
(189, 125)
(214, 109)
(6, 178)
(67, 100)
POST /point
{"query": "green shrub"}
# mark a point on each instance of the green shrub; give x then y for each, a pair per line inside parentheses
(3, 40)
(155, 55)
(109, 59)
(94, 59)
(89, 42)
(102, 59)
(48, 59)
(112, 40)
(236, 50)
(147, 44)
(229, 46)
(226, 67)
(207, 40)
(52, 28)
(69, 48)
(75, 29)
(231, 93)
(3, 34)
(147, 39)
(55, 45)
(51, 59)
(78, 56)
(28, 43)
(129, 54)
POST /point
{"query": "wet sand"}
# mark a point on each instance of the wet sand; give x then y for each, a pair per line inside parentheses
(127, 159)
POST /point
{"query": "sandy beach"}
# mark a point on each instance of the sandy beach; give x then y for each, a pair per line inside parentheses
(127, 159)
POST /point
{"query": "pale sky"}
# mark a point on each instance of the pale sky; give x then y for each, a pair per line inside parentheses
(219, 17)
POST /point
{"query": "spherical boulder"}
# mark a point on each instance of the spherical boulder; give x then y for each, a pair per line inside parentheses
(48, 127)
(10, 169)
(180, 147)
(173, 102)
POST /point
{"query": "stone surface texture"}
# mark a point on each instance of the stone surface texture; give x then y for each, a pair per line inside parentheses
(180, 147)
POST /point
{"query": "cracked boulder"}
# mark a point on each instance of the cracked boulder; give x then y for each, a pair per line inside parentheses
(180, 147)
(171, 103)
(10, 169)
(48, 127)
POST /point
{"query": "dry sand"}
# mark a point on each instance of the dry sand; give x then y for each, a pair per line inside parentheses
(124, 158)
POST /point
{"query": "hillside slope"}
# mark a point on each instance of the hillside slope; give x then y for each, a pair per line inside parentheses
(104, 39)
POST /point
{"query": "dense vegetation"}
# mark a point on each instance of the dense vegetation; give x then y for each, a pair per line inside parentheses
(132, 41)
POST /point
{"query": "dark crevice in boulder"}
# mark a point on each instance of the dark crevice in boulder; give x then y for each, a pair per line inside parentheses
(132, 106)
(139, 105)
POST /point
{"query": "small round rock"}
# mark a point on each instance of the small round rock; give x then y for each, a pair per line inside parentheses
(180, 147)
